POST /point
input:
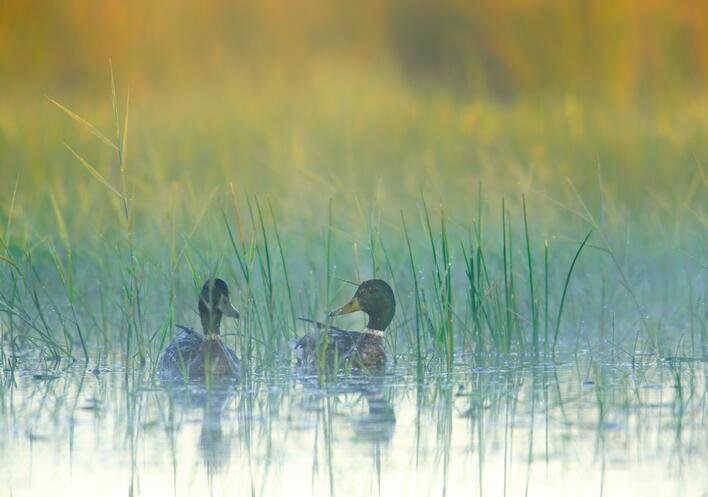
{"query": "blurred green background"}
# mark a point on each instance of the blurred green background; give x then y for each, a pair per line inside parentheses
(599, 101)
(505, 92)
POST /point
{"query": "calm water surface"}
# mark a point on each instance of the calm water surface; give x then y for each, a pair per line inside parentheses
(579, 426)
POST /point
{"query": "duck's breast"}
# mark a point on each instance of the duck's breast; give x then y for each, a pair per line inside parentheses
(214, 358)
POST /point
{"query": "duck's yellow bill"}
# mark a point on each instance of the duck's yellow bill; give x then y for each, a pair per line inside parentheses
(227, 308)
(352, 306)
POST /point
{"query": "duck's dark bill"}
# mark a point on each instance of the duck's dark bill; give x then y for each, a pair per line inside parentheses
(352, 306)
(226, 307)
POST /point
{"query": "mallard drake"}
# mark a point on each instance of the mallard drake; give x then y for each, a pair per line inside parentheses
(191, 355)
(360, 349)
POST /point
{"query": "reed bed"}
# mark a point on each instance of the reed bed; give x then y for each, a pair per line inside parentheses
(489, 251)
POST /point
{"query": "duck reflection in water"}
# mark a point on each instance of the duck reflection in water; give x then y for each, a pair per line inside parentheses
(214, 446)
(379, 422)
(375, 424)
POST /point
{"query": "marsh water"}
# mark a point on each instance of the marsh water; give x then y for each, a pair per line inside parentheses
(577, 425)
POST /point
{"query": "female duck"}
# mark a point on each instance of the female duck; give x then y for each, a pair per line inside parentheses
(193, 356)
(332, 346)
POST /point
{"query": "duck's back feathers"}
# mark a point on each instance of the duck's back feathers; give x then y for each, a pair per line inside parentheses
(339, 347)
(178, 355)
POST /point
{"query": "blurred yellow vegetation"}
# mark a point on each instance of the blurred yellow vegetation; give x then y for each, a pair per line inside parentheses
(372, 99)
(620, 50)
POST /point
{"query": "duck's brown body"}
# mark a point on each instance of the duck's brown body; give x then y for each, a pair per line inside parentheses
(191, 355)
(328, 346)
(339, 348)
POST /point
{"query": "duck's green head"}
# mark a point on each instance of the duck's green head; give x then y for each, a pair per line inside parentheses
(214, 302)
(375, 298)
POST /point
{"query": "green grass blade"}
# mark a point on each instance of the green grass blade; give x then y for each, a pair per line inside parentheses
(565, 290)
(92, 170)
(83, 122)
(534, 312)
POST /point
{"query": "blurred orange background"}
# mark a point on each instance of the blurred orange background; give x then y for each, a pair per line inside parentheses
(622, 50)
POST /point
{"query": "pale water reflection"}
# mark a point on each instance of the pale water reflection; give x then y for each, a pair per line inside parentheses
(582, 426)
